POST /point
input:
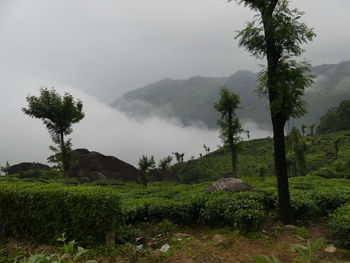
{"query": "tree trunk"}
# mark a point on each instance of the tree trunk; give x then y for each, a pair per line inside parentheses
(281, 170)
(232, 145)
(63, 153)
(273, 56)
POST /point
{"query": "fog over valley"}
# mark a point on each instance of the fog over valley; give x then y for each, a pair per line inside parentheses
(98, 51)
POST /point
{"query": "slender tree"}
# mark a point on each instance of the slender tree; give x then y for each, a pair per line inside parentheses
(303, 129)
(145, 166)
(229, 124)
(277, 34)
(58, 113)
(164, 163)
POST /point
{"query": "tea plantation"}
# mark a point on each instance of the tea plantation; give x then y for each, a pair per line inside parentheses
(41, 206)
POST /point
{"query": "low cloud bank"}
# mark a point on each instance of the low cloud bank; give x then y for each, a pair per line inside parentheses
(104, 129)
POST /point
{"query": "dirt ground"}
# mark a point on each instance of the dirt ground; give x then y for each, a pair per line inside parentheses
(202, 245)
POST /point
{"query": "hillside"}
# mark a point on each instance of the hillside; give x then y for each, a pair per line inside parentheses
(191, 100)
(254, 154)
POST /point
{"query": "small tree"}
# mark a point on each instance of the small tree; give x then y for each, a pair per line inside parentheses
(5, 168)
(297, 147)
(145, 166)
(58, 113)
(303, 129)
(336, 147)
(164, 163)
(229, 124)
(312, 128)
(206, 149)
(179, 157)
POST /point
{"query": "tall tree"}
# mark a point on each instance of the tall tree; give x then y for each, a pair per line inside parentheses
(277, 34)
(229, 124)
(58, 113)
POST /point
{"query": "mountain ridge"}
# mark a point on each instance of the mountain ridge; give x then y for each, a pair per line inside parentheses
(191, 100)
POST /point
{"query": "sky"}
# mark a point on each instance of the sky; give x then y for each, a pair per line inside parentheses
(98, 50)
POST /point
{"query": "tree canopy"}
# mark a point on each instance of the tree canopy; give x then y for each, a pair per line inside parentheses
(58, 113)
(229, 124)
(336, 119)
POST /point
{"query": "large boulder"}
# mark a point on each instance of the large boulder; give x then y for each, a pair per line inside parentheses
(230, 185)
(90, 166)
(23, 167)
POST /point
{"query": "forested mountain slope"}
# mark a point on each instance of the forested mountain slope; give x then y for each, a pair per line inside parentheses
(191, 100)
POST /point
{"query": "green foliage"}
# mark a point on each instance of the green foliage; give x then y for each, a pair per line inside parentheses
(69, 250)
(164, 163)
(336, 119)
(281, 25)
(127, 233)
(145, 166)
(39, 175)
(327, 172)
(340, 224)
(229, 124)
(306, 254)
(43, 211)
(166, 227)
(245, 211)
(58, 113)
(302, 232)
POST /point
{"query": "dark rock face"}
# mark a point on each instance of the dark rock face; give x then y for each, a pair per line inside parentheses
(90, 166)
(230, 185)
(22, 167)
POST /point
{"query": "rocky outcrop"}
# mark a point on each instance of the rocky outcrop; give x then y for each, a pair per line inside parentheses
(23, 167)
(90, 166)
(230, 185)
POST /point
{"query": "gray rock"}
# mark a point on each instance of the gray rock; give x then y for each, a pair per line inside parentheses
(330, 249)
(91, 166)
(23, 167)
(230, 185)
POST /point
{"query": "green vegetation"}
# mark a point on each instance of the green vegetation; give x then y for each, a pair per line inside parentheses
(255, 158)
(336, 119)
(42, 212)
(306, 254)
(58, 113)
(340, 223)
(145, 166)
(277, 34)
(230, 127)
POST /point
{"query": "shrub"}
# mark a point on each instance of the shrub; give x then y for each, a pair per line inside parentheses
(340, 224)
(243, 210)
(303, 206)
(329, 199)
(327, 172)
(43, 212)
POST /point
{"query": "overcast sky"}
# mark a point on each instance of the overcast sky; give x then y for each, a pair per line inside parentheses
(107, 47)
(99, 49)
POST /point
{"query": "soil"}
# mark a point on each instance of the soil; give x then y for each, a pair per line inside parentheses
(201, 245)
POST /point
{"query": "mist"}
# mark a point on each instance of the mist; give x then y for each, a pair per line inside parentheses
(103, 129)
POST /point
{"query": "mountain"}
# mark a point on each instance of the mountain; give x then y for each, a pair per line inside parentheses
(191, 100)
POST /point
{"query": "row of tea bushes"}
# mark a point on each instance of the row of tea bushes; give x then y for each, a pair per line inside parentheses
(44, 211)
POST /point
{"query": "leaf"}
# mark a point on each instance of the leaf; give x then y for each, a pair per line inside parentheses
(275, 259)
(317, 244)
(80, 252)
(302, 252)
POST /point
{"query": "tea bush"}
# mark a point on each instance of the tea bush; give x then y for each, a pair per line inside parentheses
(340, 224)
(44, 211)
(244, 210)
